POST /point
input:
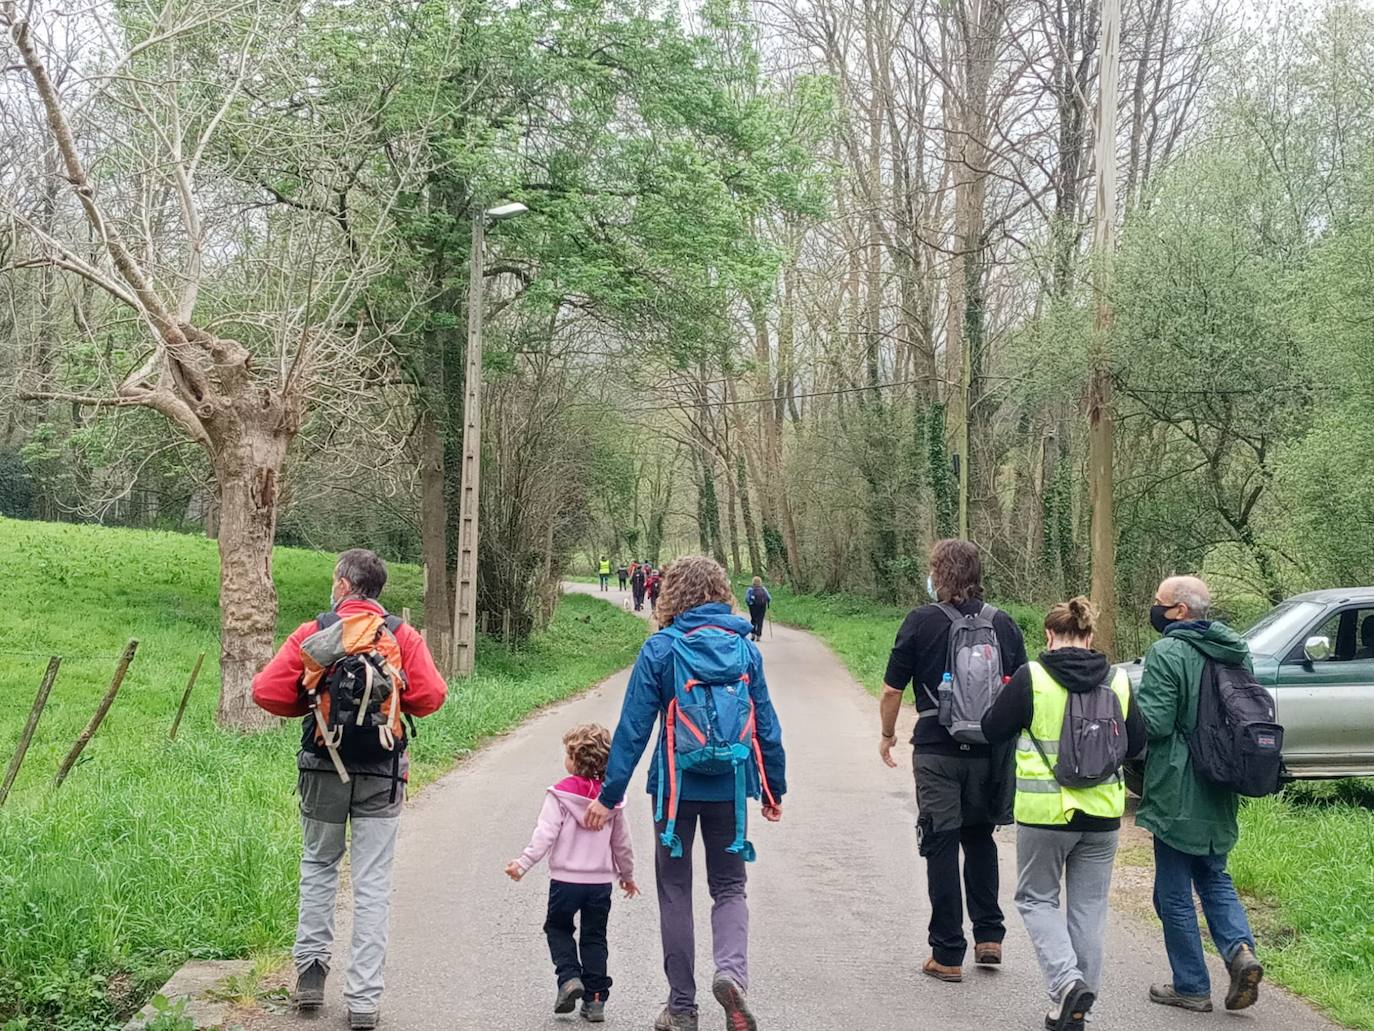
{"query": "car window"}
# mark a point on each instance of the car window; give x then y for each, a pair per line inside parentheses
(1275, 630)
(1351, 633)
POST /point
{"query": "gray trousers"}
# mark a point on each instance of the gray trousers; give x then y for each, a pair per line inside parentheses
(725, 879)
(1068, 939)
(328, 806)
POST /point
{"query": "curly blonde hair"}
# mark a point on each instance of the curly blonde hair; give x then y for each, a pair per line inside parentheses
(689, 582)
(589, 745)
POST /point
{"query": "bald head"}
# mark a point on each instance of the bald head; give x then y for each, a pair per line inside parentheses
(1182, 593)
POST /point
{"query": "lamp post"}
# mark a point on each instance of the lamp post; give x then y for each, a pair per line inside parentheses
(465, 593)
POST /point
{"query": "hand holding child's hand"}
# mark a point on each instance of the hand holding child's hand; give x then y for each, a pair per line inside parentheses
(630, 888)
(513, 871)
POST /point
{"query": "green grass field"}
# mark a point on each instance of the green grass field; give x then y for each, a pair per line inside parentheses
(153, 852)
(1305, 860)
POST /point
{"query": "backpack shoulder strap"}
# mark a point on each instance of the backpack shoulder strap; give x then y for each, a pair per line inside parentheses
(393, 623)
(951, 612)
(327, 619)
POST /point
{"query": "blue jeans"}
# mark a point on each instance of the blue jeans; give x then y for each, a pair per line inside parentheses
(1177, 875)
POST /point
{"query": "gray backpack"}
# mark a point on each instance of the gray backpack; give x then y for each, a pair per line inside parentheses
(973, 677)
(1092, 741)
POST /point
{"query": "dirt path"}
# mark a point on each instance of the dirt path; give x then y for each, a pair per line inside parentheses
(838, 909)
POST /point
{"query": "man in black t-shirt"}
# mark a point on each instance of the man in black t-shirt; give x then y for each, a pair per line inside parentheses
(963, 791)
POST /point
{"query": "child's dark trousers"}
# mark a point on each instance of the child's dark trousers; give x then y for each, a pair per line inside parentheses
(586, 956)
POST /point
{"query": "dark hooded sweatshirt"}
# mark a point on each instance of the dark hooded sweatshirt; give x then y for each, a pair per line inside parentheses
(1077, 670)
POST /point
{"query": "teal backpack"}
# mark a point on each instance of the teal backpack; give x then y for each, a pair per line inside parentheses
(709, 727)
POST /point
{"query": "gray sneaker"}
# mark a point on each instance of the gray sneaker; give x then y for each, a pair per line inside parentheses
(671, 1020)
(569, 992)
(359, 1020)
(309, 993)
(731, 997)
(1165, 995)
(594, 1008)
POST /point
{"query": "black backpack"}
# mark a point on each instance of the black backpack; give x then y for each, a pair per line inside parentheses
(1092, 740)
(1237, 743)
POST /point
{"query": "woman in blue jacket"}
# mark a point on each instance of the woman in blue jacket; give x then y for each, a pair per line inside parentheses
(702, 646)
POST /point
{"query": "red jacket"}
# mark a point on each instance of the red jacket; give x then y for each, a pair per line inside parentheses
(278, 687)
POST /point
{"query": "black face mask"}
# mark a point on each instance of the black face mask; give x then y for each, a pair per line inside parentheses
(1158, 619)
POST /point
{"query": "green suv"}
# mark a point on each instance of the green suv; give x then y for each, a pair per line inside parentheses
(1315, 654)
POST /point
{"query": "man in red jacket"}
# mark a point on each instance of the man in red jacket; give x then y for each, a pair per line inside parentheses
(369, 799)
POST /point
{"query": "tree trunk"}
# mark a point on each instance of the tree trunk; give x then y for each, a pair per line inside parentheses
(434, 529)
(247, 461)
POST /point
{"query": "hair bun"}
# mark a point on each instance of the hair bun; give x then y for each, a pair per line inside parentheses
(1083, 612)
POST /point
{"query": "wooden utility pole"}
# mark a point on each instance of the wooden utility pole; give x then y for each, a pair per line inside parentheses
(1101, 428)
(465, 594)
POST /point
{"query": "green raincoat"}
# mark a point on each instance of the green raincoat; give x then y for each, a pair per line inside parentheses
(1184, 811)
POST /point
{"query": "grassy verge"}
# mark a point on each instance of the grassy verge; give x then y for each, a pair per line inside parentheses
(155, 852)
(1305, 859)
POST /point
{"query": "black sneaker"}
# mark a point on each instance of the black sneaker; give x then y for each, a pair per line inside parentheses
(1246, 975)
(1073, 1009)
(309, 993)
(569, 992)
(363, 1020)
(594, 1008)
(731, 997)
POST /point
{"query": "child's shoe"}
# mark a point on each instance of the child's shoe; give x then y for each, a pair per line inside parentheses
(569, 992)
(594, 1008)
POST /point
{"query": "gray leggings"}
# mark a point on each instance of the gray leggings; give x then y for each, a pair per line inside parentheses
(725, 879)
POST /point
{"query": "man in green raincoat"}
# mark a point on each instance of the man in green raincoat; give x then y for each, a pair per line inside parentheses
(1193, 820)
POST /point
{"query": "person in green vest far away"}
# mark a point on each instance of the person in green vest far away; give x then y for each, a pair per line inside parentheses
(604, 571)
(1193, 818)
(1076, 723)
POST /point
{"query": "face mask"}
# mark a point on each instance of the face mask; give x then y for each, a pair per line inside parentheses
(930, 588)
(1158, 619)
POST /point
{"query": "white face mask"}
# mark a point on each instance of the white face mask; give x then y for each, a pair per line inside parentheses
(930, 588)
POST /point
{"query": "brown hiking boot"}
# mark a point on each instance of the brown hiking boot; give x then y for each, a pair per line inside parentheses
(988, 954)
(1165, 995)
(1246, 975)
(941, 972)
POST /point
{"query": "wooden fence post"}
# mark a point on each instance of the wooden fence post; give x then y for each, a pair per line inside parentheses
(505, 627)
(81, 742)
(405, 615)
(44, 689)
(186, 697)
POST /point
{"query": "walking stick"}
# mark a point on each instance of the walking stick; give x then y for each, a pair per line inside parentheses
(770, 628)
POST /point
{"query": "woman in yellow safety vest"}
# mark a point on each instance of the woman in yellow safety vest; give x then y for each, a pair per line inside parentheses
(1067, 833)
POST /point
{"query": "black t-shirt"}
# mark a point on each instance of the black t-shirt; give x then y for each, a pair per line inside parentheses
(919, 657)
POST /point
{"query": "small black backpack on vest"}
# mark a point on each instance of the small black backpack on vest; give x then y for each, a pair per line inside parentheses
(1237, 743)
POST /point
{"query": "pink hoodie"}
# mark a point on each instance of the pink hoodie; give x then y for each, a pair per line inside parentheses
(577, 855)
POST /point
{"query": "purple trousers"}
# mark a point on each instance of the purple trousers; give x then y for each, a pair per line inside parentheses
(725, 879)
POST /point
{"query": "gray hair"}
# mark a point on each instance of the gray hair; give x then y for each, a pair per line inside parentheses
(1190, 591)
(364, 571)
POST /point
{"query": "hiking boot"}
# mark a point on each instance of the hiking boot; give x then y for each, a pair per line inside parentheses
(363, 1020)
(568, 993)
(1246, 975)
(988, 954)
(731, 996)
(1165, 995)
(669, 1020)
(941, 972)
(594, 1008)
(309, 993)
(1072, 1010)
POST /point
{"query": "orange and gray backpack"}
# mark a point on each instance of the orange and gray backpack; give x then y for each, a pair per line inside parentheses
(353, 683)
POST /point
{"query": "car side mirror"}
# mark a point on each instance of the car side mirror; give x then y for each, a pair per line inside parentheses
(1317, 649)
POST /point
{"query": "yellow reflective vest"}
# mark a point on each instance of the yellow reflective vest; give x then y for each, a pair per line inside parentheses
(1039, 797)
(605, 569)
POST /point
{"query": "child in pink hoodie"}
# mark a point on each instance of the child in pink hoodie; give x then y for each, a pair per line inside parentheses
(582, 866)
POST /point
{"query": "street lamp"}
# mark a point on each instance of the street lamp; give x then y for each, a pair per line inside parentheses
(465, 593)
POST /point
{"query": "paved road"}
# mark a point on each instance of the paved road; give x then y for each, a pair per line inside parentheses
(838, 910)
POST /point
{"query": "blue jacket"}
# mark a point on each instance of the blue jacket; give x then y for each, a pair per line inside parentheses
(647, 697)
